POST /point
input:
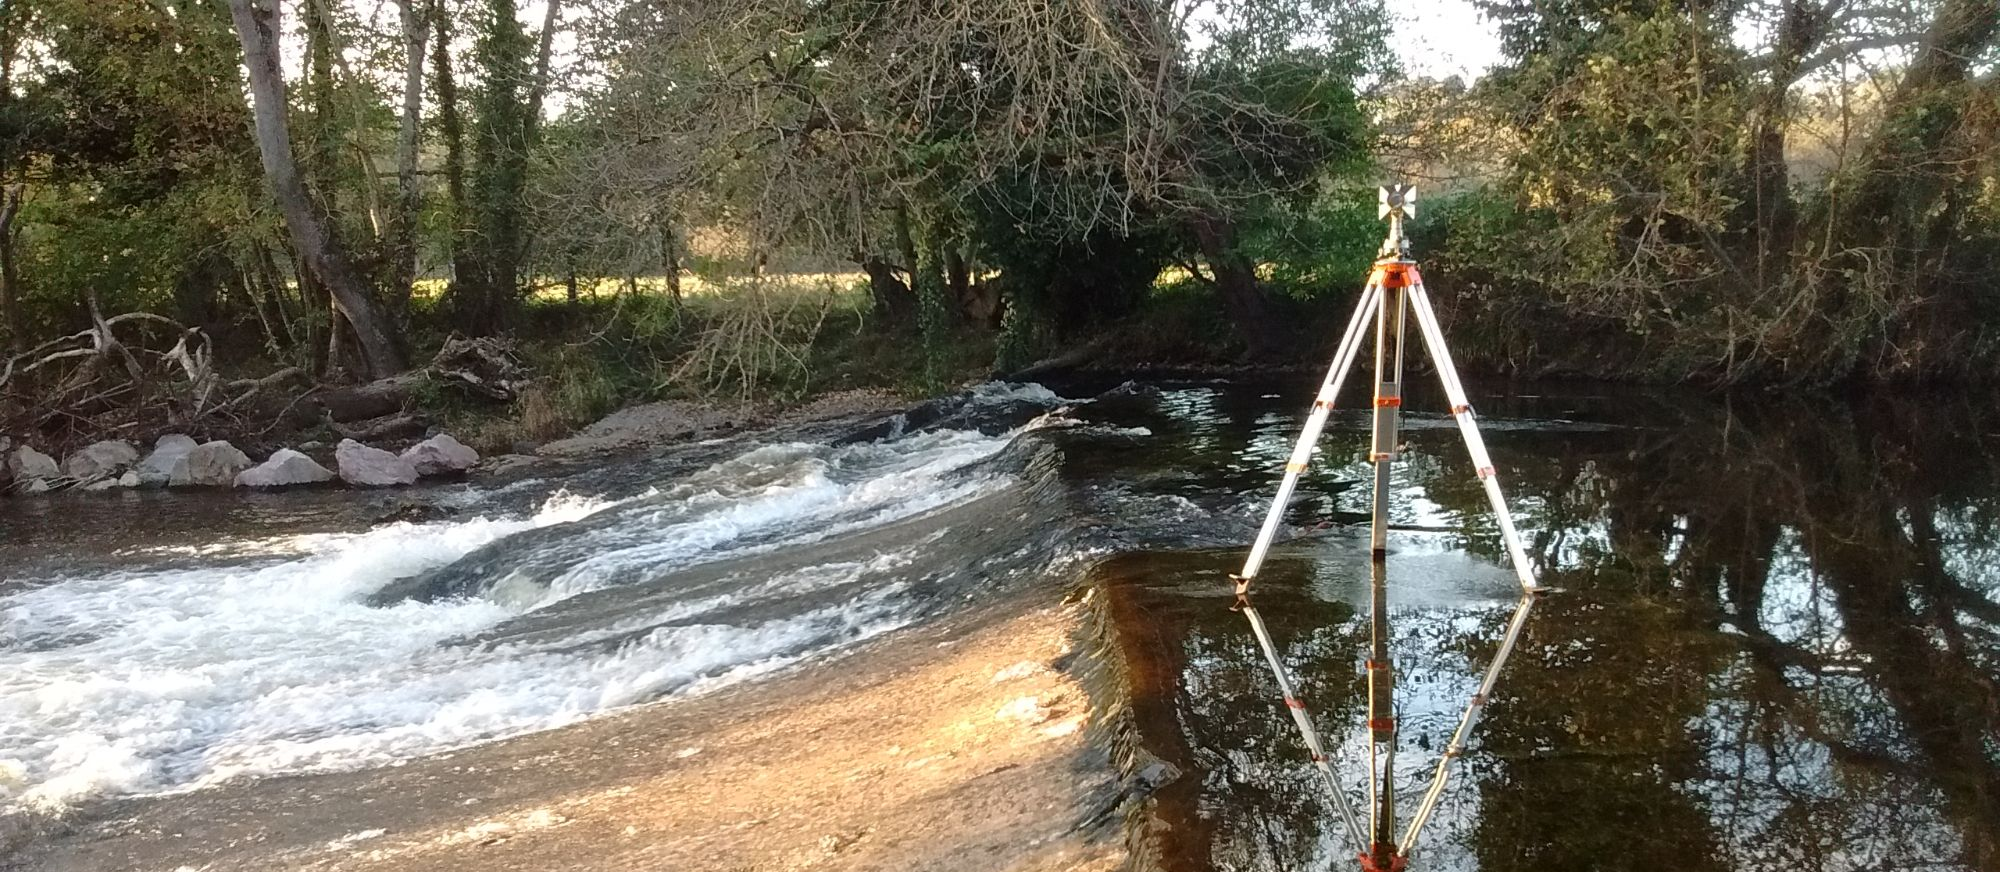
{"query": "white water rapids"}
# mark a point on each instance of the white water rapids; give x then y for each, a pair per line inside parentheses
(149, 679)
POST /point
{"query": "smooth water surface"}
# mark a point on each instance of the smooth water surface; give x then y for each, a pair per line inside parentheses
(1774, 647)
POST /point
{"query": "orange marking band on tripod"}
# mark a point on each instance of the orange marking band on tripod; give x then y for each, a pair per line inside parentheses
(1380, 456)
(1460, 410)
(1388, 402)
(1295, 467)
(1381, 724)
(1485, 472)
(1395, 275)
(1293, 702)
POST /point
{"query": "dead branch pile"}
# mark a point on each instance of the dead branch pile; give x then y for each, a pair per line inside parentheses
(125, 373)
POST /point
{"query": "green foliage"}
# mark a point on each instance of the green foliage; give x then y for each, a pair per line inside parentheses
(135, 127)
(500, 156)
(1317, 248)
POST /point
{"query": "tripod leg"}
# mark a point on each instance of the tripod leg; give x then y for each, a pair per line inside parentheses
(1388, 406)
(1306, 730)
(1343, 358)
(1381, 720)
(1467, 721)
(1461, 410)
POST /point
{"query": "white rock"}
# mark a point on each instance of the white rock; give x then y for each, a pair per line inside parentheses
(440, 454)
(158, 468)
(129, 479)
(27, 463)
(371, 467)
(100, 460)
(286, 467)
(210, 464)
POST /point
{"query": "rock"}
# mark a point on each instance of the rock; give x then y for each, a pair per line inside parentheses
(168, 451)
(638, 426)
(526, 446)
(314, 445)
(401, 425)
(27, 464)
(506, 463)
(210, 464)
(129, 479)
(440, 454)
(100, 460)
(371, 467)
(286, 467)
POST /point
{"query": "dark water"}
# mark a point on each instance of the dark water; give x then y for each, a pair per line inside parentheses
(1775, 647)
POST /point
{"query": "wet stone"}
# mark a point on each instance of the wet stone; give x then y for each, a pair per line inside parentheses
(371, 467)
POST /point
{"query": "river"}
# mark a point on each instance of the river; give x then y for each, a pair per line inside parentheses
(1773, 644)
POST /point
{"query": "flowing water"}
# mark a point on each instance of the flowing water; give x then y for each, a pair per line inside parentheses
(1775, 645)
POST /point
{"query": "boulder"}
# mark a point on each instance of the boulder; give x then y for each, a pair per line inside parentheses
(27, 464)
(210, 464)
(100, 460)
(286, 467)
(440, 454)
(371, 467)
(168, 451)
(129, 479)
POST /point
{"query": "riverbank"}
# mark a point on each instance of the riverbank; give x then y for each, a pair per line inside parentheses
(961, 745)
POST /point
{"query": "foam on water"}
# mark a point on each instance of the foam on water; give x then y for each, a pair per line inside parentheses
(147, 681)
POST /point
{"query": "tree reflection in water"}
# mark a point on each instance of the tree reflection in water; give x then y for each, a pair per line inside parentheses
(1778, 646)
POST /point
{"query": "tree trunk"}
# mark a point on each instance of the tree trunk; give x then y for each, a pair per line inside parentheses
(324, 142)
(1800, 32)
(310, 229)
(409, 129)
(1243, 297)
(551, 15)
(451, 127)
(499, 164)
(906, 242)
(670, 258)
(958, 278)
(11, 319)
(895, 303)
(10, 270)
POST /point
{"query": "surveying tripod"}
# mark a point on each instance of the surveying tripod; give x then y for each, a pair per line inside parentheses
(1394, 293)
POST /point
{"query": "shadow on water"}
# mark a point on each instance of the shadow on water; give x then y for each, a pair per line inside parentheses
(1776, 647)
